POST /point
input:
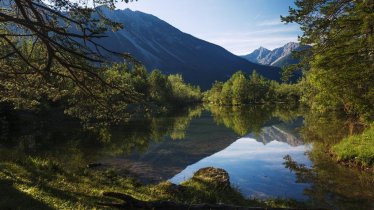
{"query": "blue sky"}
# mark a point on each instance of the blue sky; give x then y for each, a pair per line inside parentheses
(240, 26)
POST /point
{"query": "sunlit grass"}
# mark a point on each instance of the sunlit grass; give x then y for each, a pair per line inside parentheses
(35, 183)
(358, 149)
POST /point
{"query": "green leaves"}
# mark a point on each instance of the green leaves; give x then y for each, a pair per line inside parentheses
(241, 89)
(340, 74)
(119, 93)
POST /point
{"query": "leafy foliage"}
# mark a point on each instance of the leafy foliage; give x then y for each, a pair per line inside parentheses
(129, 91)
(241, 89)
(64, 30)
(341, 73)
(49, 54)
(183, 94)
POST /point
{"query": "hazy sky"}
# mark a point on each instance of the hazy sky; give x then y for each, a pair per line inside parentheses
(240, 26)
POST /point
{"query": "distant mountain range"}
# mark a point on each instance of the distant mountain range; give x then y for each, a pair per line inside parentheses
(158, 45)
(278, 57)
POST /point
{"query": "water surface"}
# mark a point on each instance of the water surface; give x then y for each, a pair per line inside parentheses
(251, 143)
(256, 169)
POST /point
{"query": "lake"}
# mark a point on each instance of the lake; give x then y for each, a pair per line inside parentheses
(268, 151)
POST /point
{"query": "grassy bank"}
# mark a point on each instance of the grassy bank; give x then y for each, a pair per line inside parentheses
(34, 183)
(357, 149)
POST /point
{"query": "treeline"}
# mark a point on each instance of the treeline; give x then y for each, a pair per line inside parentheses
(243, 89)
(116, 94)
(133, 92)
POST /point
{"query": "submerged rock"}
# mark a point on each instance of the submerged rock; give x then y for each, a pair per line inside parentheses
(215, 177)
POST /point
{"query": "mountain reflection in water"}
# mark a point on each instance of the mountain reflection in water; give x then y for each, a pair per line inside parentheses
(249, 142)
(208, 137)
(257, 169)
(164, 159)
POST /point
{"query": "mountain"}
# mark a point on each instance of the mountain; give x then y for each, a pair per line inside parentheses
(159, 45)
(278, 57)
(258, 56)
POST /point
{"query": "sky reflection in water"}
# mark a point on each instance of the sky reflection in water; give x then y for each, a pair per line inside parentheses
(256, 169)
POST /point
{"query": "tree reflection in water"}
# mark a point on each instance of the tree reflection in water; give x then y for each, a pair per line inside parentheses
(62, 141)
(333, 185)
(251, 119)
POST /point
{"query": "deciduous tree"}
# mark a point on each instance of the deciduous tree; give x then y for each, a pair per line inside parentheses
(341, 74)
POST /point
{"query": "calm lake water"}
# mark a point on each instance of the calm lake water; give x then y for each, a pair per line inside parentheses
(269, 152)
(254, 162)
(256, 169)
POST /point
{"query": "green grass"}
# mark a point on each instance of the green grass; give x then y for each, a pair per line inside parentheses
(35, 183)
(357, 149)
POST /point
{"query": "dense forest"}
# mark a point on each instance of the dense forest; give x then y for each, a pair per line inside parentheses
(241, 89)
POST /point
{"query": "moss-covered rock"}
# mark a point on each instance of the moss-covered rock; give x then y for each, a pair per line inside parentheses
(214, 177)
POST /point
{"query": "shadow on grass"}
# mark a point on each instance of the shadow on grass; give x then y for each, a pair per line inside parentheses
(43, 180)
(11, 198)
